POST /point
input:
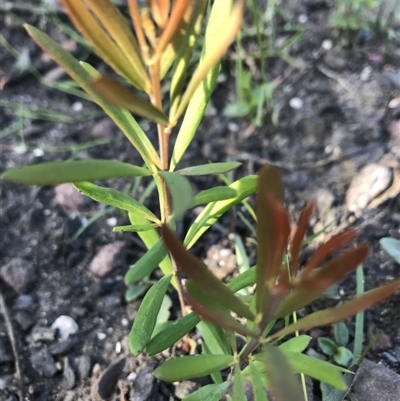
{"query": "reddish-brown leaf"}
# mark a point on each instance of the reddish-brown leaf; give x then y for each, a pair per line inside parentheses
(202, 277)
(269, 184)
(326, 249)
(309, 288)
(341, 312)
(220, 319)
(298, 235)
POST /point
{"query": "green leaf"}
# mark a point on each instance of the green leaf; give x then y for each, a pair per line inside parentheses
(215, 338)
(198, 102)
(343, 356)
(317, 369)
(326, 345)
(134, 228)
(190, 367)
(146, 264)
(115, 198)
(296, 344)
(82, 75)
(238, 385)
(180, 191)
(210, 168)
(120, 96)
(146, 316)
(214, 52)
(204, 280)
(392, 247)
(211, 392)
(243, 280)
(213, 195)
(283, 383)
(213, 211)
(182, 54)
(172, 334)
(135, 291)
(150, 238)
(54, 173)
(259, 391)
(341, 333)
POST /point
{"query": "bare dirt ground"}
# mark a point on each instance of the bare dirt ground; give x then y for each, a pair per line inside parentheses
(336, 140)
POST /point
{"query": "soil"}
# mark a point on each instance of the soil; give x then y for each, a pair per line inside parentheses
(331, 119)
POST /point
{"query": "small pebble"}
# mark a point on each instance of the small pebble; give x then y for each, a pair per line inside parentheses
(302, 18)
(101, 336)
(327, 44)
(118, 347)
(38, 152)
(66, 326)
(103, 261)
(69, 379)
(366, 73)
(43, 363)
(77, 106)
(19, 274)
(112, 221)
(296, 103)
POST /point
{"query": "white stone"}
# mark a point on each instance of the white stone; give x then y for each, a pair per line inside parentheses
(66, 326)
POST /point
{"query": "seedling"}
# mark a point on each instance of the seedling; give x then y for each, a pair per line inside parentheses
(336, 349)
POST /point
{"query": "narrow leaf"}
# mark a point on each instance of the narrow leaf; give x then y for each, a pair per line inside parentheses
(171, 28)
(146, 264)
(296, 344)
(210, 168)
(214, 54)
(146, 316)
(120, 96)
(238, 385)
(269, 188)
(202, 277)
(219, 12)
(341, 312)
(317, 369)
(180, 191)
(327, 248)
(120, 32)
(213, 195)
(181, 50)
(259, 391)
(151, 238)
(115, 198)
(170, 336)
(285, 387)
(104, 46)
(53, 173)
(217, 317)
(82, 73)
(243, 280)
(215, 338)
(319, 280)
(189, 367)
(213, 211)
(210, 392)
(298, 235)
